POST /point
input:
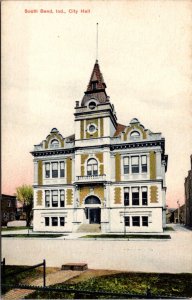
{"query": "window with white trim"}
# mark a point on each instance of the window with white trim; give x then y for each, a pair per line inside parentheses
(47, 198)
(135, 164)
(46, 221)
(54, 221)
(144, 164)
(54, 144)
(126, 165)
(55, 198)
(62, 221)
(62, 169)
(92, 167)
(127, 221)
(144, 195)
(62, 198)
(135, 196)
(126, 196)
(47, 170)
(136, 221)
(144, 221)
(54, 169)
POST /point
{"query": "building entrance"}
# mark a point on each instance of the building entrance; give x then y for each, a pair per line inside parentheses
(93, 210)
(94, 215)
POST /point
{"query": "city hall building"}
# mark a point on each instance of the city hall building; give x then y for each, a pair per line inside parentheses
(107, 175)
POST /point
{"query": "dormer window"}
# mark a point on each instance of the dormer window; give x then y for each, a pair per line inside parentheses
(94, 85)
(135, 135)
(92, 105)
(55, 144)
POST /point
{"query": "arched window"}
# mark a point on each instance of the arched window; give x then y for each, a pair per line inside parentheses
(54, 143)
(135, 135)
(92, 200)
(92, 167)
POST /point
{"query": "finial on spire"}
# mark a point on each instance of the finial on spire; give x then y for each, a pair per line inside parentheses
(97, 44)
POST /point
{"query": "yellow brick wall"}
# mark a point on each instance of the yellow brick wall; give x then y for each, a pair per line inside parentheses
(117, 195)
(40, 172)
(69, 170)
(69, 196)
(153, 194)
(39, 198)
(94, 135)
(117, 167)
(152, 161)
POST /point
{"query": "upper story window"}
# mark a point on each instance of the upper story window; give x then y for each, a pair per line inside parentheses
(55, 198)
(54, 169)
(92, 167)
(144, 196)
(62, 169)
(135, 196)
(92, 104)
(144, 164)
(94, 85)
(126, 165)
(126, 196)
(134, 135)
(47, 170)
(47, 198)
(135, 164)
(54, 143)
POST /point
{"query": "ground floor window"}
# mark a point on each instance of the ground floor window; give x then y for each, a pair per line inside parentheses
(136, 221)
(127, 221)
(54, 221)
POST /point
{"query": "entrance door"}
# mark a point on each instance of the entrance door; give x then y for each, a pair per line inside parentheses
(94, 215)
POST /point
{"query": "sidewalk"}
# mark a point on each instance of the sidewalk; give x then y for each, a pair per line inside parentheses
(51, 279)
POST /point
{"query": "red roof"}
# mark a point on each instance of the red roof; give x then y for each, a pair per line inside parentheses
(96, 76)
(119, 129)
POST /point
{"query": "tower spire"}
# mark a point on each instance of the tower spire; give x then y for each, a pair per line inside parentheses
(97, 42)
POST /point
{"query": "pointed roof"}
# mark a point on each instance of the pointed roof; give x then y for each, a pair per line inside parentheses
(96, 77)
(96, 87)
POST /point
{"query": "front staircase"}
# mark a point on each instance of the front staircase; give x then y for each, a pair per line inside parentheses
(89, 228)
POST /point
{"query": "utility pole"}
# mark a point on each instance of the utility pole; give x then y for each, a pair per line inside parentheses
(178, 211)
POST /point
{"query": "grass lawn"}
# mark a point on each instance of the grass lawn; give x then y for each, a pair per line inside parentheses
(15, 228)
(126, 236)
(25, 277)
(168, 228)
(173, 285)
(33, 235)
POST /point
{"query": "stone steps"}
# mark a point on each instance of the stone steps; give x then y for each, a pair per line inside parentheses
(89, 228)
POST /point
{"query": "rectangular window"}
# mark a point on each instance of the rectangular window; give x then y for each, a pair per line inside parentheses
(136, 221)
(62, 221)
(127, 221)
(126, 196)
(46, 221)
(126, 165)
(135, 196)
(62, 169)
(47, 198)
(54, 169)
(144, 195)
(54, 221)
(47, 170)
(145, 221)
(95, 170)
(55, 198)
(62, 198)
(89, 172)
(135, 164)
(144, 164)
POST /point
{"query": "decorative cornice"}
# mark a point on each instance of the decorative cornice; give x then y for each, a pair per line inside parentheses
(112, 147)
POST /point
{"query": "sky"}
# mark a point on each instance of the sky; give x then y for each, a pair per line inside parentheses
(144, 53)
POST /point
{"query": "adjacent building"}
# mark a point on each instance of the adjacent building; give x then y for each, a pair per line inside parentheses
(106, 173)
(8, 209)
(188, 197)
